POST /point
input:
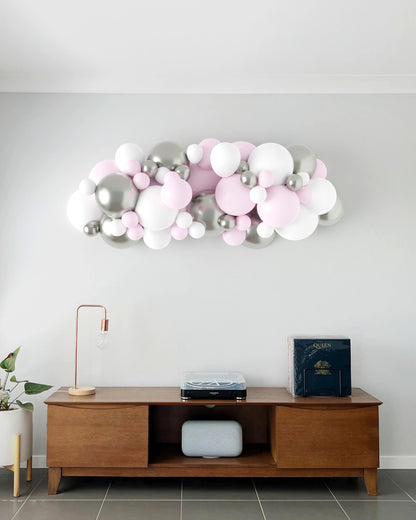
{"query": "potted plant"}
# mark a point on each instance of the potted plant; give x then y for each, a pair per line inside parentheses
(16, 416)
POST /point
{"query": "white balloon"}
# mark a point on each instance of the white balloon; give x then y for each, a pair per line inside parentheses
(81, 209)
(128, 152)
(153, 214)
(225, 159)
(184, 220)
(258, 194)
(157, 239)
(264, 231)
(197, 230)
(323, 196)
(160, 175)
(273, 157)
(304, 226)
(87, 186)
(117, 227)
(194, 153)
(305, 177)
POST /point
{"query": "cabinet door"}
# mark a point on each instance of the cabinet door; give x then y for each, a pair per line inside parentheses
(343, 437)
(97, 436)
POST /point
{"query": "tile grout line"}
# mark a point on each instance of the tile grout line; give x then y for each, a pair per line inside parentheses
(404, 491)
(105, 496)
(336, 500)
(181, 506)
(258, 498)
(27, 498)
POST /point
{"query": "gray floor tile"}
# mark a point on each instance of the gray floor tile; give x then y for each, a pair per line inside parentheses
(303, 511)
(218, 488)
(227, 510)
(292, 489)
(74, 488)
(8, 508)
(405, 478)
(61, 510)
(354, 489)
(6, 483)
(140, 511)
(380, 510)
(145, 488)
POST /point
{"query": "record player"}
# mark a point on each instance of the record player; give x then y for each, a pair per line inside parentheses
(213, 385)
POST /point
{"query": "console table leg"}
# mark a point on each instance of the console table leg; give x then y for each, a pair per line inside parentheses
(54, 478)
(370, 479)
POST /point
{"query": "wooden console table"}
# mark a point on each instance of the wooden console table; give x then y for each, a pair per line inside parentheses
(137, 432)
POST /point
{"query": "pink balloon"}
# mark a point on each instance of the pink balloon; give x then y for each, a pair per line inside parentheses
(135, 233)
(131, 167)
(175, 192)
(141, 180)
(178, 233)
(102, 169)
(304, 194)
(245, 149)
(233, 197)
(321, 171)
(130, 219)
(235, 237)
(266, 178)
(243, 222)
(207, 146)
(202, 180)
(280, 208)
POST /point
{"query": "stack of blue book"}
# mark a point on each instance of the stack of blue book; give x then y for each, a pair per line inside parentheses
(319, 366)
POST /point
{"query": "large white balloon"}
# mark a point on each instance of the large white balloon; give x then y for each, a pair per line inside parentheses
(225, 159)
(128, 152)
(157, 239)
(274, 158)
(323, 196)
(304, 226)
(153, 214)
(81, 209)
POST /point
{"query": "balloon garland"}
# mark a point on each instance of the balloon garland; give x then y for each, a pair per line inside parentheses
(247, 194)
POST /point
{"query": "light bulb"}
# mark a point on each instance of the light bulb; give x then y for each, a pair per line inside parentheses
(103, 340)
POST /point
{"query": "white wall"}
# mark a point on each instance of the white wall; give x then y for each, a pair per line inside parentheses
(204, 305)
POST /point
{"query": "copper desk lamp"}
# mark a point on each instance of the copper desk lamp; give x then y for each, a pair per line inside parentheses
(86, 390)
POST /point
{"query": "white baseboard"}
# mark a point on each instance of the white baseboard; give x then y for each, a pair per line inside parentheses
(386, 461)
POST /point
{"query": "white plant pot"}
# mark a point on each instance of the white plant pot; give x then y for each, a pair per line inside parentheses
(11, 422)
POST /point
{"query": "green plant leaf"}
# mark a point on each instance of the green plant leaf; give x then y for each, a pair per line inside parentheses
(35, 388)
(9, 362)
(25, 406)
(14, 380)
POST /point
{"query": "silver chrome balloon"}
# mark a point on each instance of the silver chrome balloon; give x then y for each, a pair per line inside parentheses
(92, 228)
(183, 171)
(115, 194)
(294, 182)
(204, 209)
(253, 239)
(168, 154)
(249, 179)
(333, 216)
(242, 167)
(227, 222)
(303, 157)
(149, 167)
(122, 242)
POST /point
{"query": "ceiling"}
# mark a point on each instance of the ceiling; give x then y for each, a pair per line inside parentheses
(215, 46)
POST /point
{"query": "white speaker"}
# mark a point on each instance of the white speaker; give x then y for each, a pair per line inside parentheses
(212, 438)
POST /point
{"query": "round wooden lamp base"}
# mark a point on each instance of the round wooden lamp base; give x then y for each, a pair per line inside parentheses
(82, 390)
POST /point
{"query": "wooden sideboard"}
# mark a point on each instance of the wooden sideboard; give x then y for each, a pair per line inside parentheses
(137, 432)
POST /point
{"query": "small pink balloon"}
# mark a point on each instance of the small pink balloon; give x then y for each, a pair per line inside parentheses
(245, 149)
(102, 169)
(178, 233)
(135, 233)
(130, 219)
(207, 146)
(304, 194)
(235, 237)
(141, 180)
(243, 222)
(131, 167)
(233, 197)
(175, 193)
(321, 171)
(202, 181)
(266, 178)
(280, 208)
